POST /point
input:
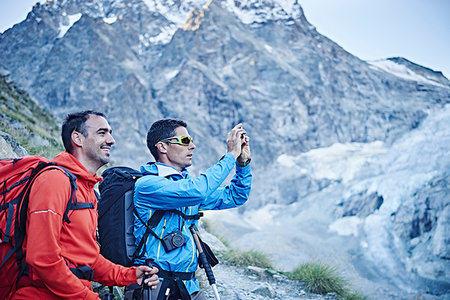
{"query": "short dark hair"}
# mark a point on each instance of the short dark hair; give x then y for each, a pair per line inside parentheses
(160, 130)
(76, 122)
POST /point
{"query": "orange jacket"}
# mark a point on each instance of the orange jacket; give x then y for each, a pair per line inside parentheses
(51, 244)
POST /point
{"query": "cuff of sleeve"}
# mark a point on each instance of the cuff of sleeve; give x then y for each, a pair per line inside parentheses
(129, 277)
(133, 274)
(244, 164)
(228, 155)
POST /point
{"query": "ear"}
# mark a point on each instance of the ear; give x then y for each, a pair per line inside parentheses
(77, 138)
(161, 147)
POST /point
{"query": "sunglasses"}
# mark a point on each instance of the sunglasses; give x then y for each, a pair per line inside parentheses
(181, 140)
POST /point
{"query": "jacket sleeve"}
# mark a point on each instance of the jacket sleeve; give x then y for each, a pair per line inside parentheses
(232, 195)
(48, 199)
(168, 194)
(108, 273)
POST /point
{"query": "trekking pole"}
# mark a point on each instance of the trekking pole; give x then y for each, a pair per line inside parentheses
(204, 260)
(146, 292)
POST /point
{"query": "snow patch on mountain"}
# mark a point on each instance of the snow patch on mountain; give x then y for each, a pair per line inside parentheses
(70, 20)
(110, 20)
(401, 71)
(346, 226)
(249, 12)
(337, 162)
(174, 11)
(261, 11)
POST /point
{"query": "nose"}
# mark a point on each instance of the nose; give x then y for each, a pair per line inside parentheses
(110, 139)
(191, 146)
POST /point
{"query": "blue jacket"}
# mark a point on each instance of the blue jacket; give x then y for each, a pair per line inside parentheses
(170, 189)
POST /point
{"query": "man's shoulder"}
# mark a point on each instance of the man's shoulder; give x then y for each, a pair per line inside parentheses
(147, 179)
(54, 173)
(50, 187)
(149, 169)
(51, 179)
(157, 176)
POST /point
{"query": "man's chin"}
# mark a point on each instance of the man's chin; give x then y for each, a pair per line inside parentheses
(105, 160)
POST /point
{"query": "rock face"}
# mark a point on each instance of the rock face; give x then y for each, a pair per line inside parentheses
(9, 147)
(331, 135)
(23, 121)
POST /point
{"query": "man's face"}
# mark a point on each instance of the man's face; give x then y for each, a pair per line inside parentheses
(97, 144)
(180, 156)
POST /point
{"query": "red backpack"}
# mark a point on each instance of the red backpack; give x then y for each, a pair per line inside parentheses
(16, 177)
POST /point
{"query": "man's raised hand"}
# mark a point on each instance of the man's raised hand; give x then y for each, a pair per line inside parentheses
(235, 140)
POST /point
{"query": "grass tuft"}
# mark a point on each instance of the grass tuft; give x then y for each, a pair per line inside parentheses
(247, 258)
(320, 278)
(353, 295)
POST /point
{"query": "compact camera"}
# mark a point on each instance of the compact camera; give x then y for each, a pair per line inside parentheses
(173, 240)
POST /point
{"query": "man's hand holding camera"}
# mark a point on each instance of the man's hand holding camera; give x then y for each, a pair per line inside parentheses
(238, 145)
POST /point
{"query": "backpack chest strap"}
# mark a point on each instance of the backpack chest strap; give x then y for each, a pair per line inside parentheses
(175, 275)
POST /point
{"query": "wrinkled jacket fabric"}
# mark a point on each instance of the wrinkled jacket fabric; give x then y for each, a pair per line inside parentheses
(53, 245)
(166, 188)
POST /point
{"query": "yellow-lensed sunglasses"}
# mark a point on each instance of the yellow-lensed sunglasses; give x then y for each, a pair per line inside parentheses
(181, 140)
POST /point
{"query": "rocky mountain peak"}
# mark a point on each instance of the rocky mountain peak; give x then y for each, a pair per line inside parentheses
(259, 12)
(403, 68)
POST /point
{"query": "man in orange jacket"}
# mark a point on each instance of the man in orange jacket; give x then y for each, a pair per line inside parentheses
(64, 257)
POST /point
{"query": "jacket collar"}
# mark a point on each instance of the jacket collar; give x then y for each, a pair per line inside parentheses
(162, 170)
(166, 171)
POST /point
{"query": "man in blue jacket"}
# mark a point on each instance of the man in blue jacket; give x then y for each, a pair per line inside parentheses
(167, 186)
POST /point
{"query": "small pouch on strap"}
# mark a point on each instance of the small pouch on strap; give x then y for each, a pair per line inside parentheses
(177, 290)
(174, 282)
(212, 259)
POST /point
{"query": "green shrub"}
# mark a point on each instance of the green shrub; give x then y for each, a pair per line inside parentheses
(247, 258)
(352, 295)
(320, 278)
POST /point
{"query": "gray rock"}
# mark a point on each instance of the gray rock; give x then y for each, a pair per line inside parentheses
(266, 291)
(441, 237)
(9, 147)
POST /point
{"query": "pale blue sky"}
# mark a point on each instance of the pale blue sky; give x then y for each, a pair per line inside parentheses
(418, 30)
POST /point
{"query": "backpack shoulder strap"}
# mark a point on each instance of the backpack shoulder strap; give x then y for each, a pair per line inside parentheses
(152, 222)
(21, 213)
(157, 216)
(72, 204)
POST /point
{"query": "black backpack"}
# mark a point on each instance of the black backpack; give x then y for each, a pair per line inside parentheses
(116, 215)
